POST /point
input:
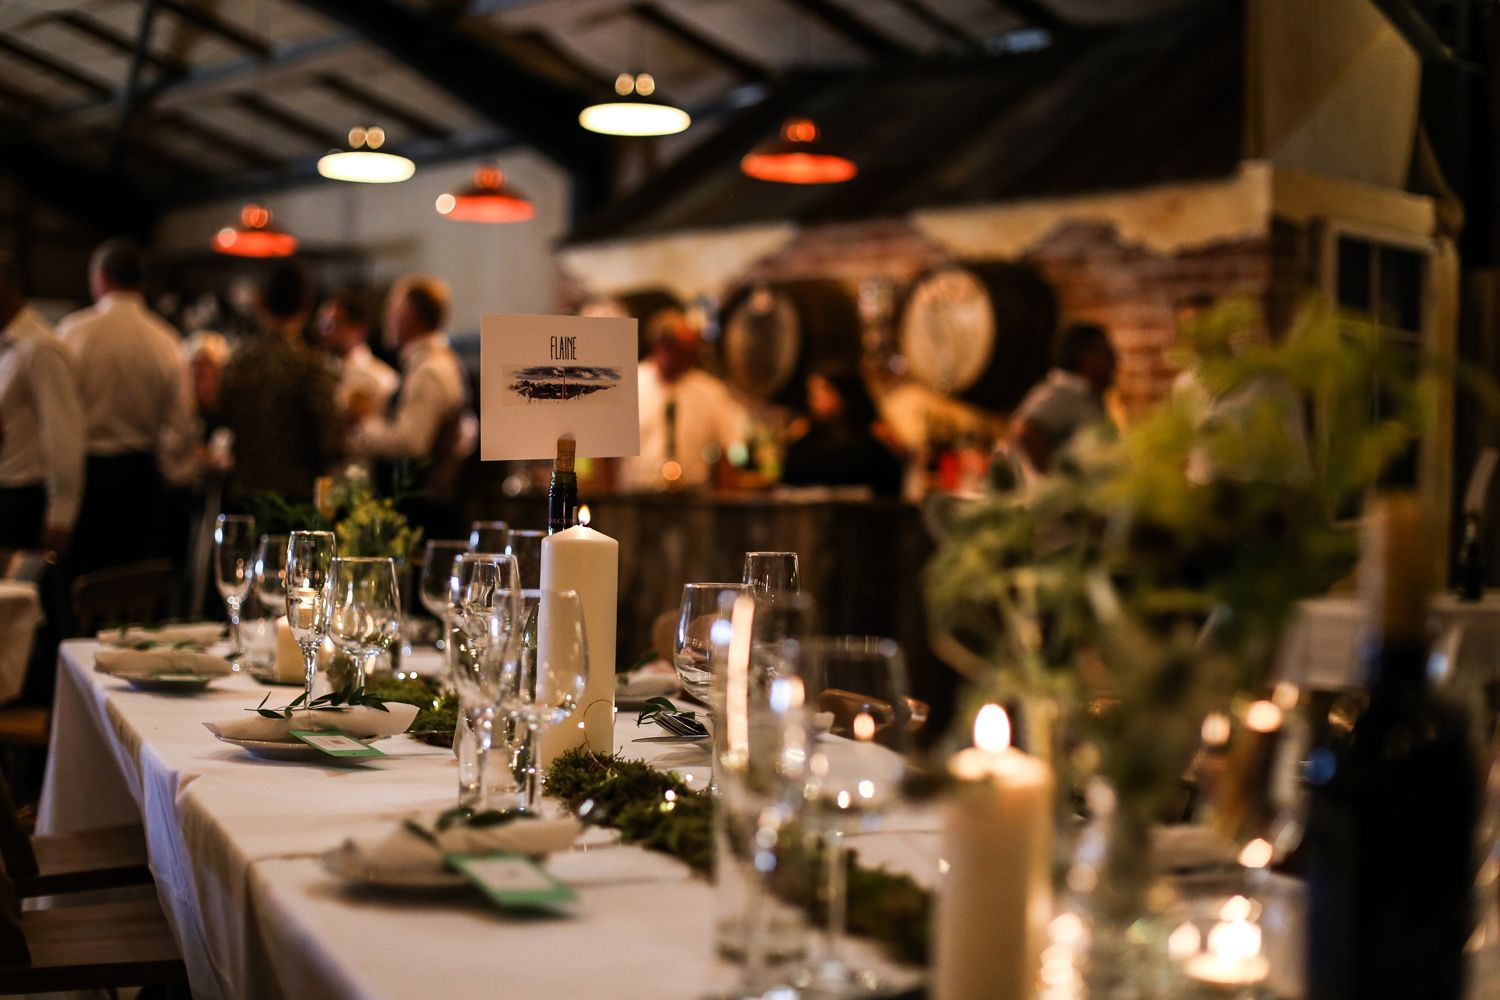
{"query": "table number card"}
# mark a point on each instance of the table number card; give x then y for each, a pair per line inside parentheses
(336, 744)
(543, 377)
(512, 880)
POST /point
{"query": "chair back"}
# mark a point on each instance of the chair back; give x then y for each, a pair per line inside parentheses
(121, 595)
(16, 853)
(13, 950)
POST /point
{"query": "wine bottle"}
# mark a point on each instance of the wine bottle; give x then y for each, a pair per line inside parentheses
(1389, 844)
(562, 489)
(1471, 561)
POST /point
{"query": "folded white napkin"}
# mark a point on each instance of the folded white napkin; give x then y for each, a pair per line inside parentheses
(360, 722)
(403, 854)
(197, 633)
(150, 662)
(654, 680)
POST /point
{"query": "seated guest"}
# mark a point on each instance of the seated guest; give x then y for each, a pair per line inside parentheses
(689, 419)
(134, 403)
(41, 428)
(840, 447)
(430, 430)
(276, 398)
(1068, 400)
(366, 384)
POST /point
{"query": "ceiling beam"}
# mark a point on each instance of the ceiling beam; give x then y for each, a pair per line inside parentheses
(14, 47)
(531, 107)
(955, 33)
(850, 27)
(133, 97)
(384, 110)
(206, 19)
(289, 121)
(74, 190)
(101, 32)
(674, 27)
(246, 152)
(1036, 13)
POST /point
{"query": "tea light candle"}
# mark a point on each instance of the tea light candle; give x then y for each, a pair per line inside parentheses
(1233, 958)
(587, 561)
(994, 902)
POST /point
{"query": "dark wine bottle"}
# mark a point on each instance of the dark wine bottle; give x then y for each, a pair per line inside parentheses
(562, 489)
(1471, 561)
(1388, 850)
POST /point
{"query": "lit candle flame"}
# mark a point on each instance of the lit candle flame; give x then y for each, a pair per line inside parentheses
(992, 729)
(583, 515)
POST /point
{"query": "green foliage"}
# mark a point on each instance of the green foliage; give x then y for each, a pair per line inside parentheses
(275, 515)
(341, 700)
(437, 707)
(369, 525)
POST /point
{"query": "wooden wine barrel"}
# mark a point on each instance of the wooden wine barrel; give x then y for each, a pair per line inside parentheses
(980, 332)
(772, 335)
(639, 305)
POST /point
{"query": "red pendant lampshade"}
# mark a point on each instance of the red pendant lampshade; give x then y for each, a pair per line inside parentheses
(491, 199)
(798, 156)
(254, 236)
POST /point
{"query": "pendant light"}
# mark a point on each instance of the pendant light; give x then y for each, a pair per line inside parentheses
(490, 199)
(254, 236)
(798, 156)
(362, 164)
(635, 113)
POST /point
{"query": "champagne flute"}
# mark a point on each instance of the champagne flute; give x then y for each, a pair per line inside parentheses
(364, 609)
(772, 573)
(547, 683)
(484, 628)
(489, 536)
(861, 682)
(234, 553)
(437, 578)
(270, 573)
(309, 559)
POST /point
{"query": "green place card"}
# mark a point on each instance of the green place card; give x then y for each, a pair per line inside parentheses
(336, 744)
(512, 880)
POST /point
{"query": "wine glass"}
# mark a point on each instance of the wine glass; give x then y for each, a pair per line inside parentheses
(526, 545)
(234, 554)
(857, 684)
(364, 609)
(270, 573)
(484, 629)
(489, 536)
(771, 573)
(437, 578)
(692, 650)
(309, 559)
(546, 686)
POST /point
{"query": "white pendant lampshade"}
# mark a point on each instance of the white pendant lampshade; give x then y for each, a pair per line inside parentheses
(635, 113)
(362, 163)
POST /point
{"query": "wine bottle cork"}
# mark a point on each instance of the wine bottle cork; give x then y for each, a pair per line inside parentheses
(1395, 574)
(566, 448)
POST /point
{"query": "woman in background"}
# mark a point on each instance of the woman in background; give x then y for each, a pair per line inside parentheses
(841, 447)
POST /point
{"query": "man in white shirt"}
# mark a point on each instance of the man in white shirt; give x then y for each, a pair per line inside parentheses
(41, 428)
(430, 424)
(1068, 400)
(366, 384)
(689, 419)
(130, 382)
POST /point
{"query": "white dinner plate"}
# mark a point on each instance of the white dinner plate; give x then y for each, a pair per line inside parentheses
(167, 683)
(342, 864)
(289, 750)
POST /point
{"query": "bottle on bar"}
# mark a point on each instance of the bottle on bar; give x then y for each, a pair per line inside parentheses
(562, 489)
(1388, 850)
(1471, 561)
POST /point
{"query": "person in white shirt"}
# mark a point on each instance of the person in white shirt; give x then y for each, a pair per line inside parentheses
(366, 384)
(128, 362)
(1068, 400)
(430, 425)
(689, 419)
(41, 428)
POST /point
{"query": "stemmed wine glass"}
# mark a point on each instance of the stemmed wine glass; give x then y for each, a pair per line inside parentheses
(692, 649)
(437, 579)
(772, 573)
(364, 609)
(861, 682)
(270, 573)
(547, 682)
(484, 628)
(489, 536)
(309, 561)
(234, 552)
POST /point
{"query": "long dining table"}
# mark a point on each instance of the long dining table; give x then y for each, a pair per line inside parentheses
(235, 844)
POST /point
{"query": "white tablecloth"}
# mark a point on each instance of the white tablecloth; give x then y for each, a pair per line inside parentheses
(20, 614)
(233, 844)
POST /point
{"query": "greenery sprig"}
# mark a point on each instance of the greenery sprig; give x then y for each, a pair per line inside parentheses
(655, 708)
(335, 701)
(437, 707)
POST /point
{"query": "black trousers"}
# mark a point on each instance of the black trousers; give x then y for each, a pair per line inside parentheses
(122, 513)
(23, 512)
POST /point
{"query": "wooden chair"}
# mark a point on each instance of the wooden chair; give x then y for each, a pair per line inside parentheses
(104, 946)
(25, 728)
(106, 858)
(121, 595)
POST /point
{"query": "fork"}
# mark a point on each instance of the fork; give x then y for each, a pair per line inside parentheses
(678, 726)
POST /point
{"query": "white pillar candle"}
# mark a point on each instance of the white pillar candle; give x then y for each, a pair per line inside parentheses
(289, 663)
(994, 901)
(587, 561)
